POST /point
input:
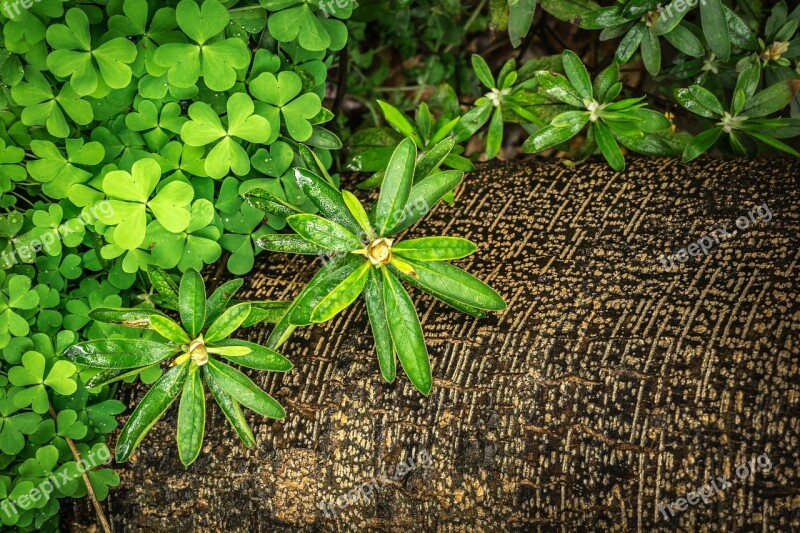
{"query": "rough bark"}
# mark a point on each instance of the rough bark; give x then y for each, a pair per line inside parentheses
(610, 386)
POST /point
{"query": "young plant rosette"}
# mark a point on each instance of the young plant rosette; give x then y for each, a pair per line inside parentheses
(367, 258)
(199, 346)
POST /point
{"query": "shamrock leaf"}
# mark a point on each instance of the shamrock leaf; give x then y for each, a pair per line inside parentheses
(14, 425)
(43, 108)
(16, 296)
(74, 57)
(201, 342)
(216, 61)
(32, 372)
(205, 127)
(10, 169)
(279, 97)
(158, 124)
(297, 19)
(58, 173)
(368, 259)
(130, 195)
(194, 247)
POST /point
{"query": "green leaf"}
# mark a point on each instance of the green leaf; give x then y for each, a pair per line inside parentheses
(651, 52)
(192, 302)
(269, 312)
(435, 248)
(423, 196)
(406, 333)
(328, 277)
(609, 147)
(131, 318)
(520, 18)
(483, 72)
(219, 299)
(245, 391)
(715, 28)
(358, 211)
(119, 353)
(556, 86)
(774, 143)
(230, 408)
(494, 138)
(443, 279)
(701, 143)
(699, 101)
(259, 358)
(577, 74)
(399, 121)
(341, 296)
(290, 243)
(772, 99)
(169, 329)
(150, 410)
(164, 285)
(396, 186)
(191, 419)
(228, 322)
(684, 40)
(433, 158)
(550, 136)
(376, 311)
(269, 203)
(327, 199)
(324, 233)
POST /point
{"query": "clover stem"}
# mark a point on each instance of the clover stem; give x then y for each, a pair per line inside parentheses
(101, 516)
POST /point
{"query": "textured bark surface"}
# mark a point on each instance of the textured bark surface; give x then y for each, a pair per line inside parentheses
(610, 386)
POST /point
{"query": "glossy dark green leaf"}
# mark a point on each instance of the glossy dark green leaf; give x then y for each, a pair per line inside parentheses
(289, 243)
(192, 302)
(132, 318)
(609, 147)
(715, 28)
(169, 329)
(326, 198)
(164, 285)
(774, 143)
(433, 158)
(110, 375)
(772, 99)
(445, 279)
(341, 296)
(259, 358)
(699, 101)
(483, 72)
(358, 212)
(556, 86)
(550, 136)
(396, 186)
(191, 418)
(231, 409)
(577, 75)
(406, 333)
(651, 52)
(228, 322)
(269, 203)
(598, 19)
(328, 277)
(684, 40)
(494, 138)
(604, 81)
(520, 18)
(244, 391)
(376, 311)
(324, 233)
(701, 143)
(435, 248)
(120, 353)
(399, 121)
(472, 121)
(220, 298)
(150, 410)
(423, 196)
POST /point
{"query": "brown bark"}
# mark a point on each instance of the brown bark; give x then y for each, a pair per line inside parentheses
(610, 385)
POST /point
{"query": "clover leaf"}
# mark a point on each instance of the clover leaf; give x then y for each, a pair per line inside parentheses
(130, 198)
(367, 259)
(158, 123)
(281, 97)
(205, 127)
(199, 345)
(304, 21)
(194, 247)
(32, 375)
(10, 169)
(13, 425)
(58, 173)
(16, 296)
(74, 57)
(215, 61)
(43, 108)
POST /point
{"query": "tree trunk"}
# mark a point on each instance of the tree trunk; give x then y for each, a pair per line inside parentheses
(610, 388)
